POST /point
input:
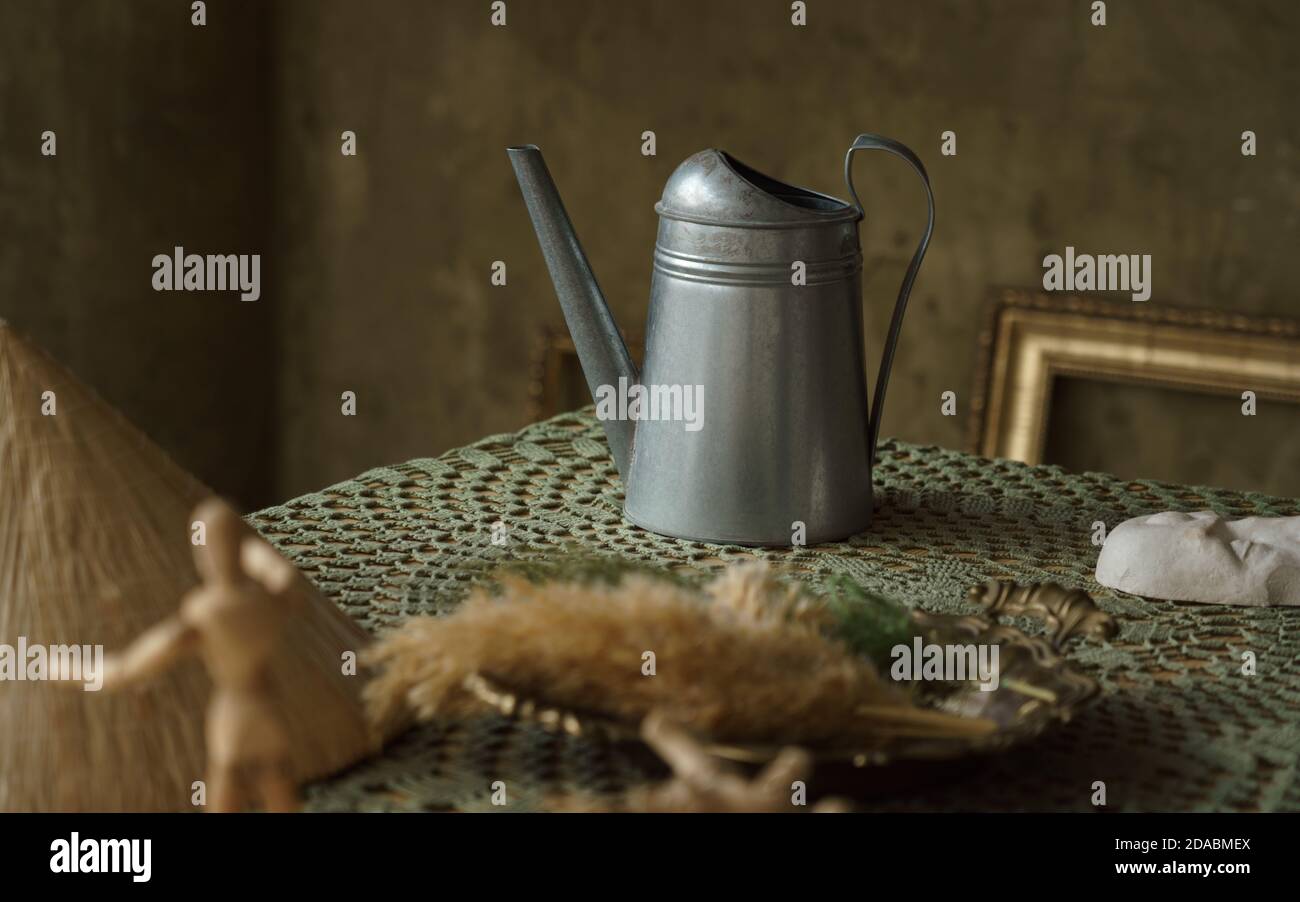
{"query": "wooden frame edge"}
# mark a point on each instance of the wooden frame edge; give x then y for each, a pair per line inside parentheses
(1032, 338)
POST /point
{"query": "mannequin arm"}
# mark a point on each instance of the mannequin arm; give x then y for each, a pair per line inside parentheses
(149, 655)
(269, 568)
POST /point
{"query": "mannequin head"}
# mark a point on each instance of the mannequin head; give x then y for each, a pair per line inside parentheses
(218, 559)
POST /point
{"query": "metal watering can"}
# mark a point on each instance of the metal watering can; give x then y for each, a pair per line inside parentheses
(750, 423)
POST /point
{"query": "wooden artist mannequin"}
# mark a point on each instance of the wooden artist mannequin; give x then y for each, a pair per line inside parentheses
(233, 621)
(701, 783)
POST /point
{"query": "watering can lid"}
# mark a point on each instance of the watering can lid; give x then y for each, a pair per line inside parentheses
(714, 188)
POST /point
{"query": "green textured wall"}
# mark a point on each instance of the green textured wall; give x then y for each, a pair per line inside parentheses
(1123, 138)
(161, 134)
(1120, 139)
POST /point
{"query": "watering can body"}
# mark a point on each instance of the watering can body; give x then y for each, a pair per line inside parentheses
(755, 315)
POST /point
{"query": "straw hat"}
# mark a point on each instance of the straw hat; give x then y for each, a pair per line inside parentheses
(94, 549)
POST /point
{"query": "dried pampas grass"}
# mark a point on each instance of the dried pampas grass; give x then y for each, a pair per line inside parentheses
(746, 661)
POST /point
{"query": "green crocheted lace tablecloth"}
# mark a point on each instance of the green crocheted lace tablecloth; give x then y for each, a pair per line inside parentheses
(1178, 727)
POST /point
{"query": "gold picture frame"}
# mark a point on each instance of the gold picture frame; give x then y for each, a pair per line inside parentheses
(1033, 338)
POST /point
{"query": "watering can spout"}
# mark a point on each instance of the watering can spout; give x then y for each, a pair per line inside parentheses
(600, 346)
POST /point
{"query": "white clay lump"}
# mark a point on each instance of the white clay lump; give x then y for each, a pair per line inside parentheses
(1203, 557)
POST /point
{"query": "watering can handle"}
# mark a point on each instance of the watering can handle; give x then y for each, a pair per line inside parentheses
(876, 142)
